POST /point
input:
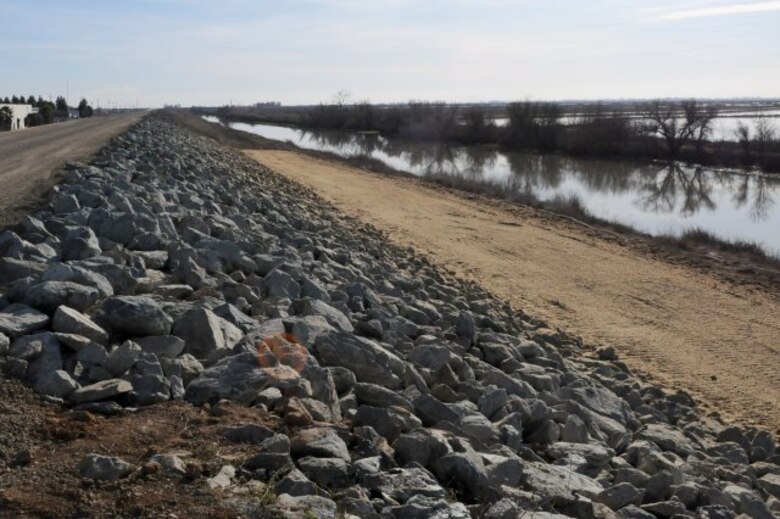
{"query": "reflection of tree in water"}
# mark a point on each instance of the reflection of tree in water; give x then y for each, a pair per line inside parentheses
(349, 143)
(479, 159)
(673, 183)
(550, 171)
(664, 190)
(691, 189)
(756, 190)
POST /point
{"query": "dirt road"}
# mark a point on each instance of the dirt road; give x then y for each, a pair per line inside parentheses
(29, 158)
(685, 329)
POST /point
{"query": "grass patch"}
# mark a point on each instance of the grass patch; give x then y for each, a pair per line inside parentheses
(696, 237)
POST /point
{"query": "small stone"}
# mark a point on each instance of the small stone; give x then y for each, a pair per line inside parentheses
(101, 391)
(104, 468)
(607, 353)
(223, 479)
(170, 462)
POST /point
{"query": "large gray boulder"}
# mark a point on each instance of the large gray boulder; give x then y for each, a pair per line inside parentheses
(70, 320)
(280, 284)
(620, 495)
(369, 361)
(122, 358)
(201, 331)
(16, 320)
(333, 316)
(560, 483)
(295, 483)
(150, 389)
(388, 421)
(237, 375)
(466, 472)
(101, 390)
(48, 295)
(322, 442)
(12, 269)
(292, 507)
(330, 473)
(168, 346)
(379, 396)
(402, 484)
(82, 273)
(44, 363)
(80, 243)
(136, 316)
(59, 384)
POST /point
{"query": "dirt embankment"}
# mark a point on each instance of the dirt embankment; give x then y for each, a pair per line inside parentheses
(43, 445)
(29, 158)
(687, 329)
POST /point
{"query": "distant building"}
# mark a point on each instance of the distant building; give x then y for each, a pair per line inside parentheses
(20, 113)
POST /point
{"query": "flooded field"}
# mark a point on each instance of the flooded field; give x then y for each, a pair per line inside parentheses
(724, 128)
(654, 198)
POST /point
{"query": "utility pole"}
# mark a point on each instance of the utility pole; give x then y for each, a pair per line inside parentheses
(67, 92)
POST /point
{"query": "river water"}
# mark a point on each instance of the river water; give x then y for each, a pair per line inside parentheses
(655, 198)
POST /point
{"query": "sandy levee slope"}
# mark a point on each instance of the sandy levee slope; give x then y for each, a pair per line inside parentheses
(29, 158)
(690, 331)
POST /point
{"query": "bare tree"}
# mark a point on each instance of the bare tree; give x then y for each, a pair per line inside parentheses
(701, 119)
(743, 137)
(680, 124)
(765, 134)
(342, 97)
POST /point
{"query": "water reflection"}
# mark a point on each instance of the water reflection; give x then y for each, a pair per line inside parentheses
(651, 197)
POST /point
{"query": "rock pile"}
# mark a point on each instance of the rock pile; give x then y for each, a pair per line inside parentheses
(173, 268)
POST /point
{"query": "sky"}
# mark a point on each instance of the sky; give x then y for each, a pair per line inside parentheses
(199, 52)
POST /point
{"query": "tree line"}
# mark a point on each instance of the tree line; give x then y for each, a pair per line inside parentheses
(680, 130)
(48, 111)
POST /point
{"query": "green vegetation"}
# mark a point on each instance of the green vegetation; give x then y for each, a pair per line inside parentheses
(6, 118)
(48, 112)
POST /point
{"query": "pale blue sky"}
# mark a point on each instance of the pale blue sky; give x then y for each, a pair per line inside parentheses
(298, 51)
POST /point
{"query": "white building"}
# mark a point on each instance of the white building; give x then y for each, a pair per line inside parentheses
(20, 112)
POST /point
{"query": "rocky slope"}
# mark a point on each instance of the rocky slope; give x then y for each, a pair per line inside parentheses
(175, 269)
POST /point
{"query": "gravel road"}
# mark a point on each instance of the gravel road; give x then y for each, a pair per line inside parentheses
(29, 158)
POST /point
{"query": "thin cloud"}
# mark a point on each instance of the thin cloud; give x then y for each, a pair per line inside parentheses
(723, 10)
